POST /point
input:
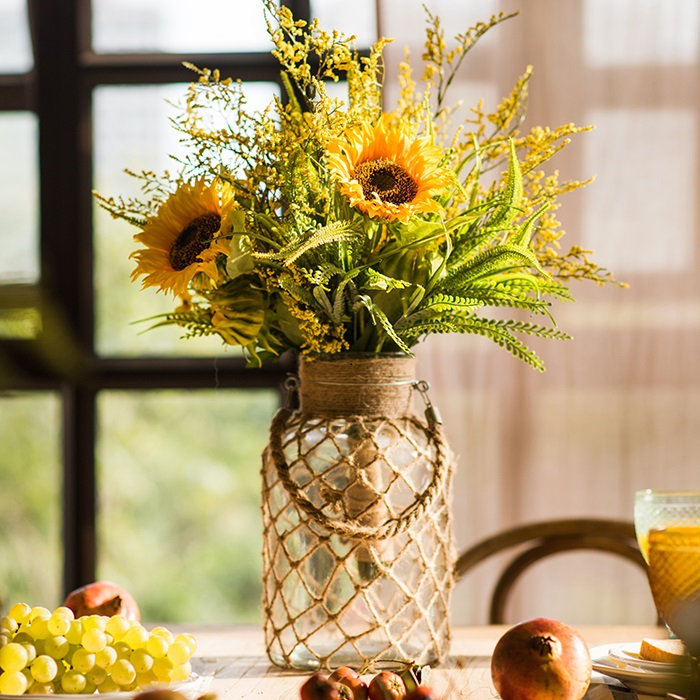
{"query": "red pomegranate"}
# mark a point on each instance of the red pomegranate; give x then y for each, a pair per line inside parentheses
(541, 660)
(102, 598)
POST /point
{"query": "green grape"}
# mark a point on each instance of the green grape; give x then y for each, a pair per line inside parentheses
(39, 628)
(58, 625)
(42, 689)
(31, 652)
(73, 682)
(9, 623)
(136, 637)
(106, 657)
(163, 632)
(23, 638)
(163, 668)
(44, 669)
(28, 675)
(57, 647)
(143, 680)
(189, 640)
(82, 660)
(4, 640)
(157, 646)
(13, 683)
(141, 661)
(94, 640)
(182, 672)
(13, 658)
(38, 611)
(95, 622)
(117, 626)
(108, 686)
(179, 652)
(75, 632)
(122, 672)
(64, 611)
(89, 688)
(20, 612)
(123, 650)
(62, 668)
(96, 675)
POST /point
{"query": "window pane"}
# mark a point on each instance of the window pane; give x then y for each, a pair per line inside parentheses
(15, 44)
(30, 528)
(639, 32)
(406, 21)
(19, 197)
(358, 18)
(131, 129)
(179, 26)
(179, 496)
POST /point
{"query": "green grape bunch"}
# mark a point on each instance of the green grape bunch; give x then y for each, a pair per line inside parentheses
(44, 653)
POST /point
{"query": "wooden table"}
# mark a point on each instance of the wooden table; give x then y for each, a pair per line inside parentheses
(237, 655)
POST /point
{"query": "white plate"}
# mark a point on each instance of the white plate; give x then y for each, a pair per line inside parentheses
(628, 655)
(193, 687)
(640, 680)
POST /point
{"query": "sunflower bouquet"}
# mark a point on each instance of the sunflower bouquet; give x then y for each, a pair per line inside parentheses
(326, 225)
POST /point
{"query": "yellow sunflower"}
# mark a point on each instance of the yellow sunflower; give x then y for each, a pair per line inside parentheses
(183, 238)
(385, 173)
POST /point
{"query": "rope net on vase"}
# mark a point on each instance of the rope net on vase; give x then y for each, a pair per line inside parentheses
(357, 550)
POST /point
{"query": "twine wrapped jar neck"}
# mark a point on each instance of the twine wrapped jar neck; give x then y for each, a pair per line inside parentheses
(361, 386)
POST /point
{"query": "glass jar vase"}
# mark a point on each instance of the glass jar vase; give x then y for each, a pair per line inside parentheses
(357, 548)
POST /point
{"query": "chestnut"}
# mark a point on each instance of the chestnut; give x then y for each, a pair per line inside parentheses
(318, 687)
(347, 677)
(387, 685)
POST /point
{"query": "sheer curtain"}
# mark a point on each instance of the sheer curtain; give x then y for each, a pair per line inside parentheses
(619, 406)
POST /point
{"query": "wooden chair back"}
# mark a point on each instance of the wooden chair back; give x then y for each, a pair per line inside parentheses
(544, 539)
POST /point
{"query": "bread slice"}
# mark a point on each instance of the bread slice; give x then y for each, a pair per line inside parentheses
(665, 650)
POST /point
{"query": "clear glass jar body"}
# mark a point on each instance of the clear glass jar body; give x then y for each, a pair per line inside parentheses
(331, 600)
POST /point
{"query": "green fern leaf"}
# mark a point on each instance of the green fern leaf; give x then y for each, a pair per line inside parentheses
(493, 261)
(481, 326)
(332, 233)
(534, 329)
(294, 289)
(436, 305)
(339, 298)
(386, 326)
(513, 193)
(376, 280)
(524, 234)
(516, 300)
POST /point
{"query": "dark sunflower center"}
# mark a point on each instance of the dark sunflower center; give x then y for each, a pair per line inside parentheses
(193, 239)
(389, 181)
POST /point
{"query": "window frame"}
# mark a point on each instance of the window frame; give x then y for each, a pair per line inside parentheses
(59, 90)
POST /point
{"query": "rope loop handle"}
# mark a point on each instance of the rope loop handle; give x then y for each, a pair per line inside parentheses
(352, 530)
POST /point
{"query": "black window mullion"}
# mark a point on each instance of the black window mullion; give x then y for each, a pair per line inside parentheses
(79, 488)
(301, 9)
(63, 109)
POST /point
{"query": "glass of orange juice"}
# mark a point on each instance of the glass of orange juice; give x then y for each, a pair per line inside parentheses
(667, 524)
(657, 510)
(674, 575)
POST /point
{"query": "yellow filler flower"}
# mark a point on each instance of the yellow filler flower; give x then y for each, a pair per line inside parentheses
(386, 174)
(183, 238)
